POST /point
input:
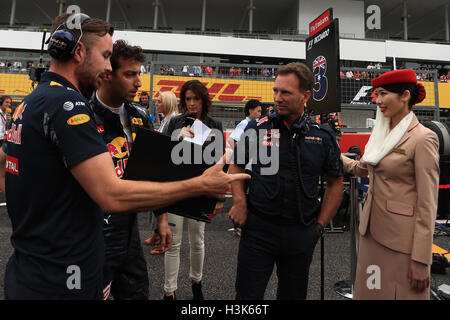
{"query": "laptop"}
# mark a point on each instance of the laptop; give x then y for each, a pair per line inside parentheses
(151, 159)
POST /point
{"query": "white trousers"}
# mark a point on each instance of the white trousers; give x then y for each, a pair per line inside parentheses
(196, 230)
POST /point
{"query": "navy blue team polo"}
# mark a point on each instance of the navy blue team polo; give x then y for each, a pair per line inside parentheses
(276, 195)
(56, 226)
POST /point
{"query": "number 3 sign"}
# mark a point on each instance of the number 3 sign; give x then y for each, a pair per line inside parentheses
(322, 56)
(320, 80)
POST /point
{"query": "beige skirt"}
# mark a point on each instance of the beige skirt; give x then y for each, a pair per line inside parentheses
(382, 273)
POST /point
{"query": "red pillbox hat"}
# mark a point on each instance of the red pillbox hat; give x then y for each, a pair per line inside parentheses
(395, 76)
(401, 76)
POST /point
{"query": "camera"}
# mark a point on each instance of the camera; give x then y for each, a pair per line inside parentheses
(35, 74)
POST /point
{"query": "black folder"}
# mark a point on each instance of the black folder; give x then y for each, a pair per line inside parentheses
(150, 159)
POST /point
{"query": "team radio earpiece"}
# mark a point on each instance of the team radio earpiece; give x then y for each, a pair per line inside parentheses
(64, 41)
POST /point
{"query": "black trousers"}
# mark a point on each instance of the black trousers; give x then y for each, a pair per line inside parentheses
(264, 244)
(125, 270)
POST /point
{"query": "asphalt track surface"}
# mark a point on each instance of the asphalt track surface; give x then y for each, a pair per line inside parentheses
(220, 261)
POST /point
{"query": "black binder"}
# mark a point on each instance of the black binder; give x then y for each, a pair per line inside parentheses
(150, 159)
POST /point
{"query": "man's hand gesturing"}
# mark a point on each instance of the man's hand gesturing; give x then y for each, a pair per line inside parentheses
(216, 182)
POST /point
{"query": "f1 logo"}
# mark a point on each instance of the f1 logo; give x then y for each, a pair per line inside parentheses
(362, 93)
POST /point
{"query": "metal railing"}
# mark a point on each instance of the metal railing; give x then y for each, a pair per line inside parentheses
(358, 98)
(345, 287)
(239, 83)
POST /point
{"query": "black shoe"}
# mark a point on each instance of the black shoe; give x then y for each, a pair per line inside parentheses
(173, 298)
(197, 291)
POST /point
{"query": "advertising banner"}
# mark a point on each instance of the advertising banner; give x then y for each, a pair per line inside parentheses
(355, 92)
(220, 90)
(321, 22)
(360, 92)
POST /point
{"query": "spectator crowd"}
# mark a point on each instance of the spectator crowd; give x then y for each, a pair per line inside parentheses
(18, 65)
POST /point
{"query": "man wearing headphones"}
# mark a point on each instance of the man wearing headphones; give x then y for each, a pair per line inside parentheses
(281, 216)
(118, 118)
(60, 177)
(5, 103)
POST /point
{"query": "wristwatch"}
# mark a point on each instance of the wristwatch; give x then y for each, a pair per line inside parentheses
(320, 230)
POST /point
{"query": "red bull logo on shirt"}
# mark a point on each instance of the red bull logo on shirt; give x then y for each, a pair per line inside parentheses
(19, 111)
(118, 147)
(137, 121)
(316, 140)
(262, 120)
(14, 134)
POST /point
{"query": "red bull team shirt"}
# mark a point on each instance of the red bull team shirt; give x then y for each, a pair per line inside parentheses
(57, 228)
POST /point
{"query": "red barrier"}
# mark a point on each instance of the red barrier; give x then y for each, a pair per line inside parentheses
(353, 139)
(348, 140)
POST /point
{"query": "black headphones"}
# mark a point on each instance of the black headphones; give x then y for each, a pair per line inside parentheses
(64, 41)
(301, 125)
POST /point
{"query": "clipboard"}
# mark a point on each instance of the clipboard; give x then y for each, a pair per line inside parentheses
(150, 159)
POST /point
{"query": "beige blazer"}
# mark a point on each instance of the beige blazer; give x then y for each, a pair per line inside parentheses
(401, 203)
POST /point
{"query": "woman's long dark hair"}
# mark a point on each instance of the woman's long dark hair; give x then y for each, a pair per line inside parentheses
(199, 90)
